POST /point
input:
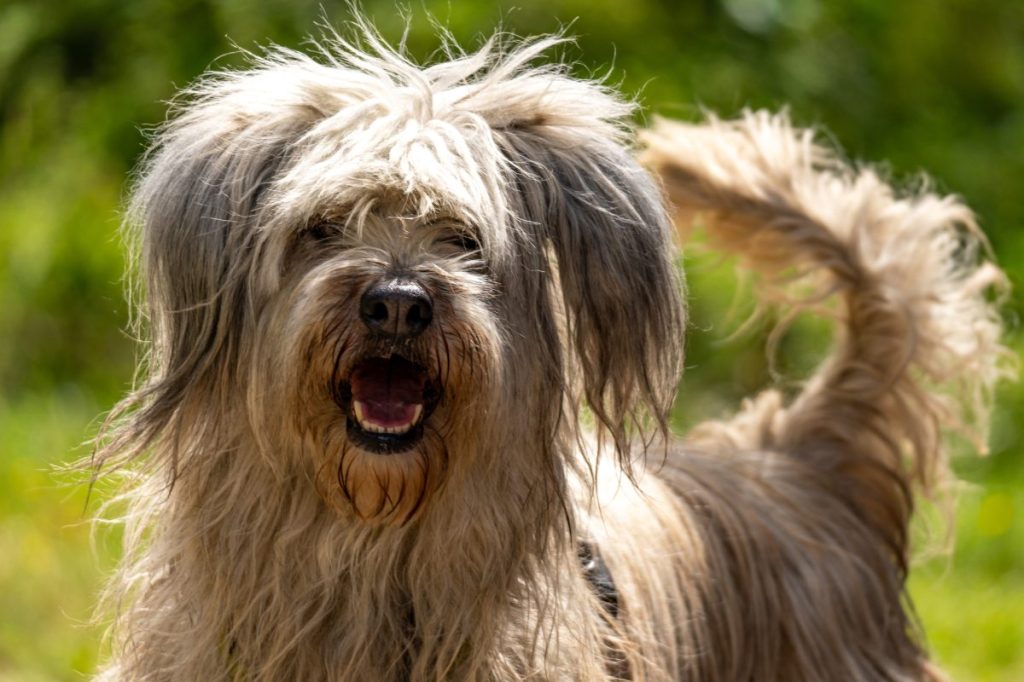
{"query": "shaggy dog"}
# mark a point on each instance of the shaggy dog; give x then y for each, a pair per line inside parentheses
(414, 334)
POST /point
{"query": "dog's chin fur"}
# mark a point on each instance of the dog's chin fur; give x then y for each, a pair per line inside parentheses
(270, 536)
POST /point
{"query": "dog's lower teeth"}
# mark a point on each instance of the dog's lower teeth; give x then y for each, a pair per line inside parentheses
(366, 423)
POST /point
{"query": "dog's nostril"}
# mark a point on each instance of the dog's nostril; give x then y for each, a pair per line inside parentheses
(418, 316)
(396, 307)
(379, 313)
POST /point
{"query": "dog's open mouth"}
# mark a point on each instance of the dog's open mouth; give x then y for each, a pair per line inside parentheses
(387, 401)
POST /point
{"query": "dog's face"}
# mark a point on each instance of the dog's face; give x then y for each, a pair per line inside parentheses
(385, 331)
(381, 274)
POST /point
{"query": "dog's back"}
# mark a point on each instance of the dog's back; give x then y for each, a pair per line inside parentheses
(791, 519)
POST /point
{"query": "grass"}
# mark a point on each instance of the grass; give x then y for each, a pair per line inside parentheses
(972, 602)
(49, 573)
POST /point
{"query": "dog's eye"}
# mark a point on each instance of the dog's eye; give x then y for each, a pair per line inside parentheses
(321, 230)
(462, 241)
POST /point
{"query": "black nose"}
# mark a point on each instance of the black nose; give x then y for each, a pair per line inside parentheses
(398, 307)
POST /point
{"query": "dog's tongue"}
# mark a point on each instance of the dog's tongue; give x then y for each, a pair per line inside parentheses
(387, 393)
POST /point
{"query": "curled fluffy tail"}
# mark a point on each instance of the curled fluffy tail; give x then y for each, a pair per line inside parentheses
(918, 348)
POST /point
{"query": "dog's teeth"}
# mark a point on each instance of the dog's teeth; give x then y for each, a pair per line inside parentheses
(359, 411)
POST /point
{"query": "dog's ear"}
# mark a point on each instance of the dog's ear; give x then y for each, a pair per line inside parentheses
(194, 219)
(586, 198)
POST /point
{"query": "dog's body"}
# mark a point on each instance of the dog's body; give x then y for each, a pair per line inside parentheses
(379, 298)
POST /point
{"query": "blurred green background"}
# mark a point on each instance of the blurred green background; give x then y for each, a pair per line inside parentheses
(926, 85)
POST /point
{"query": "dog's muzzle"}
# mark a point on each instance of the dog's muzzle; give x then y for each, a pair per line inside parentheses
(387, 401)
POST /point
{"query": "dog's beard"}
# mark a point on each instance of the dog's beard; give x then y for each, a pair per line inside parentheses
(393, 452)
(379, 418)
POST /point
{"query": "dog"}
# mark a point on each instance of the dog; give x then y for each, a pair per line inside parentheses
(413, 337)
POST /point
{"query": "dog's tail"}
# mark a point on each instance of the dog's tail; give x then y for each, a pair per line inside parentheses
(918, 350)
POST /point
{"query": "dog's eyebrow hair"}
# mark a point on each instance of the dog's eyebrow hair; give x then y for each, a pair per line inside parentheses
(457, 226)
(445, 219)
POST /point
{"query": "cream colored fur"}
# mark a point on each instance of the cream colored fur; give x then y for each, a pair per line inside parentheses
(262, 544)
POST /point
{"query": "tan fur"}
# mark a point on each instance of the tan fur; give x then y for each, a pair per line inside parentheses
(261, 543)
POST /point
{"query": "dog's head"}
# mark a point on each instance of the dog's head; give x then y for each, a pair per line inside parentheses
(385, 274)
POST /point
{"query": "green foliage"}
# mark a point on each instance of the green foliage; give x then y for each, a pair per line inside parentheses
(923, 84)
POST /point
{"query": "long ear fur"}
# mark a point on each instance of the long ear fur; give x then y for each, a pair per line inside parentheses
(606, 224)
(198, 197)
